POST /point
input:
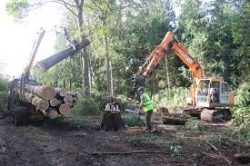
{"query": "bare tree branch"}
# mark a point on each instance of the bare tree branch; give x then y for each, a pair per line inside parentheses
(64, 2)
(66, 5)
(61, 2)
(77, 3)
(126, 6)
(81, 3)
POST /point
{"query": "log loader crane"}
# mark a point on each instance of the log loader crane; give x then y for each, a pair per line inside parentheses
(19, 108)
(209, 96)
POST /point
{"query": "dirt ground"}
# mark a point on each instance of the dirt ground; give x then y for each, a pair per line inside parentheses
(64, 145)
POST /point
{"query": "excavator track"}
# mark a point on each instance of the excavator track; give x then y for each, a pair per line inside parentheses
(214, 115)
(206, 114)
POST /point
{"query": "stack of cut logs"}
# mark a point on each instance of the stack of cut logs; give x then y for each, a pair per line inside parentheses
(49, 100)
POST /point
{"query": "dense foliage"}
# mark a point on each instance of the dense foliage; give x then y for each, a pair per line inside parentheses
(241, 111)
(171, 99)
(3, 91)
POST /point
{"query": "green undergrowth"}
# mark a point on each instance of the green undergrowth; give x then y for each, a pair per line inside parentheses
(133, 120)
(241, 111)
(127, 102)
(172, 99)
(194, 125)
(89, 106)
(3, 91)
(85, 111)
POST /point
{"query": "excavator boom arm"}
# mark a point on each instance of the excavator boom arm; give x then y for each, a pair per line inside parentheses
(169, 43)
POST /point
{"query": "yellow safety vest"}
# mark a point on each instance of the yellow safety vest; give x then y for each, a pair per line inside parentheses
(146, 102)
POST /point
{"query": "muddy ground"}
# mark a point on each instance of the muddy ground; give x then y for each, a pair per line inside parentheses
(64, 145)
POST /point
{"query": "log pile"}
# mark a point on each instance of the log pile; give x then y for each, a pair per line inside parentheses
(50, 101)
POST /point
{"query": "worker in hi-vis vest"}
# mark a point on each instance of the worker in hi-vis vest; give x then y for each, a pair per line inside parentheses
(147, 106)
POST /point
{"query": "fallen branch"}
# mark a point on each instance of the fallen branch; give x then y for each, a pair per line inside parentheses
(243, 158)
(212, 155)
(162, 157)
(220, 154)
(124, 153)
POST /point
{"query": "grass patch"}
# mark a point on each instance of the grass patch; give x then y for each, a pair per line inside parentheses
(3, 92)
(133, 120)
(194, 125)
(86, 112)
(144, 138)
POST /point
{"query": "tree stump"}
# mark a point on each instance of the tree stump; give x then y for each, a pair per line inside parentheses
(112, 120)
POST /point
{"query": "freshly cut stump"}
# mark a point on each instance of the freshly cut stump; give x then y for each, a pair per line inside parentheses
(112, 121)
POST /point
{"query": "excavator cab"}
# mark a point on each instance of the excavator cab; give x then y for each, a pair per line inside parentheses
(213, 92)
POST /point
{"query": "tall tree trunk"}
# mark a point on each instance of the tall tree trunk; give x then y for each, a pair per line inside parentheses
(90, 74)
(84, 55)
(86, 74)
(111, 79)
(108, 75)
(167, 74)
(64, 84)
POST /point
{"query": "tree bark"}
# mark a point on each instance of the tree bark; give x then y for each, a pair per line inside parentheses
(112, 120)
(111, 80)
(86, 74)
(83, 54)
(107, 61)
(45, 92)
(173, 120)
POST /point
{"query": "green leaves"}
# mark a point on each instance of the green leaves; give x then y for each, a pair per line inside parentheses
(3, 90)
(241, 111)
(243, 95)
(17, 8)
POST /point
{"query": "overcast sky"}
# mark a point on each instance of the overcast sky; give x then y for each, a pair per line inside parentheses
(16, 39)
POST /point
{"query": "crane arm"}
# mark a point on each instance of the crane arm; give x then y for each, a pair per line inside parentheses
(35, 47)
(169, 43)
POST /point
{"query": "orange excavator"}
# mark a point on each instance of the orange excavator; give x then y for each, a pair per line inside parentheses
(209, 96)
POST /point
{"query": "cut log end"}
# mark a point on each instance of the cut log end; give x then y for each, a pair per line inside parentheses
(61, 92)
(68, 99)
(54, 102)
(52, 114)
(48, 92)
(40, 104)
(64, 108)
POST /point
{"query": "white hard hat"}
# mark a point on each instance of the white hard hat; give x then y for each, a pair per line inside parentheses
(140, 90)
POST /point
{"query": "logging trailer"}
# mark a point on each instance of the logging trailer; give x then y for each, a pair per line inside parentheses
(29, 101)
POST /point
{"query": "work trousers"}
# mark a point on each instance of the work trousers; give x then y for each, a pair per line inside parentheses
(148, 119)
